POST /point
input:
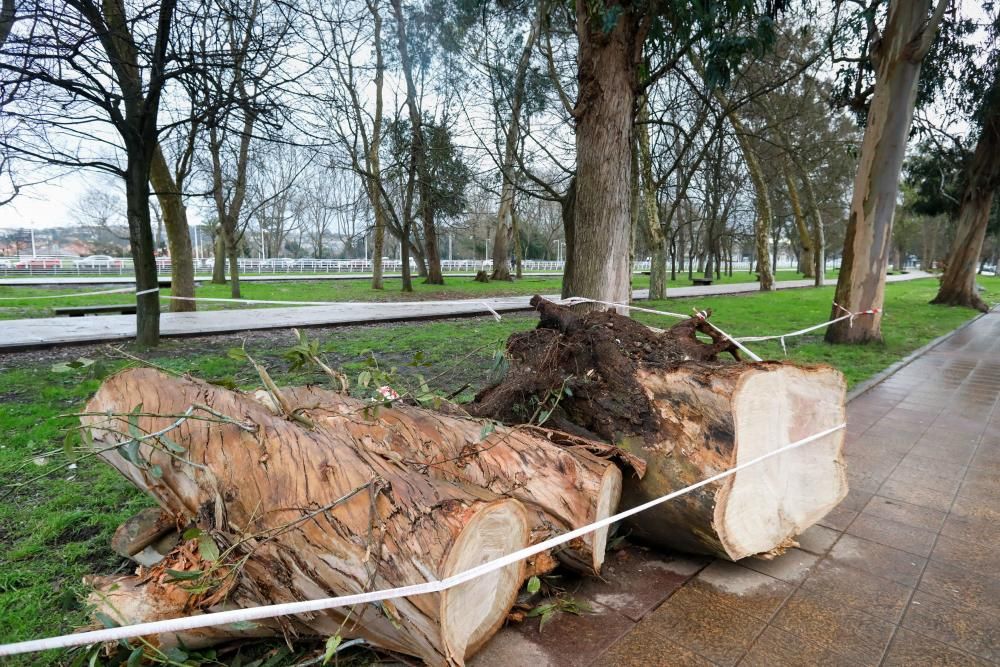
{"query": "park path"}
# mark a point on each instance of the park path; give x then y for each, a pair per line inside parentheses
(906, 571)
(50, 331)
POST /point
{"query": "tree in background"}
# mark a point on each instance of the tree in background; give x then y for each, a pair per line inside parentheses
(979, 84)
(893, 56)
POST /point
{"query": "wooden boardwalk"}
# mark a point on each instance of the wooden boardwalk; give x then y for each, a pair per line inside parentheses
(52, 331)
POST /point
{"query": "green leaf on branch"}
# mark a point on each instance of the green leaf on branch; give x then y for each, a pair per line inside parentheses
(184, 575)
(207, 548)
(534, 585)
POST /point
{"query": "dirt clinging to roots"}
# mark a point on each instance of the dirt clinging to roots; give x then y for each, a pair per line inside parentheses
(577, 371)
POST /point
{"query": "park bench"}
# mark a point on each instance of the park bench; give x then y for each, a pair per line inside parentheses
(80, 311)
(701, 281)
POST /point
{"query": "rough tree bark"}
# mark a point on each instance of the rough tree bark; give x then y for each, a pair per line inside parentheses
(301, 513)
(219, 252)
(958, 284)
(374, 165)
(665, 398)
(564, 486)
(505, 216)
(896, 56)
(607, 77)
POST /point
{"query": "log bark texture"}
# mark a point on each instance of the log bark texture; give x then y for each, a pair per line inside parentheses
(563, 486)
(301, 513)
(666, 398)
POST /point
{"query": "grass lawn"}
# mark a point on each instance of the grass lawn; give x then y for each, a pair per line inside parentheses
(55, 529)
(12, 307)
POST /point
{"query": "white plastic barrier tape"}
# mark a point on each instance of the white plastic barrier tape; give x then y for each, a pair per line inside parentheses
(307, 606)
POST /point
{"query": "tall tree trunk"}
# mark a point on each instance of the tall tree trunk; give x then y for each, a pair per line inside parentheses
(607, 76)
(518, 250)
(651, 208)
(374, 165)
(178, 236)
(219, 251)
(567, 209)
(896, 58)
(958, 284)
(141, 238)
(6, 20)
(431, 254)
(806, 257)
(232, 252)
(505, 216)
(762, 197)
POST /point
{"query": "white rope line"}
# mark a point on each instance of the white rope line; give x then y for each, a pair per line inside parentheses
(118, 290)
(148, 291)
(307, 606)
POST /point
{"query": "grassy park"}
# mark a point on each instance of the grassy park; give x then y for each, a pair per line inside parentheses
(20, 302)
(56, 518)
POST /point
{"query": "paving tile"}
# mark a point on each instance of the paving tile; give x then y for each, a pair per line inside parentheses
(634, 581)
(791, 566)
(981, 531)
(969, 508)
(962, 586)
(970, 629)
(818, 539)
(701, 624)
(877, 559)
(839, 518)
(927, 479)
(911, 515)
(644, 646)
(985, 491)
(856, 500)
(916, 495)
(909, 648)
(568, 640)
(777, 647)
(939, 468)
(851, 587)
(893, 534)
(960, 553)
(860, 637)
(749, 592)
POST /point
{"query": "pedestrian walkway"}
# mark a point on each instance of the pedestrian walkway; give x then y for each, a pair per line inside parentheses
(906, 571)
(47, 331)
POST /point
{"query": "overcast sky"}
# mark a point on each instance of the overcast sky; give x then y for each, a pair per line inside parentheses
(53, 203)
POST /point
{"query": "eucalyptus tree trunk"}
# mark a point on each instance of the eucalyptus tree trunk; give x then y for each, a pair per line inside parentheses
(605, 114)
(141, 241)
(958, 284)
(505, 216)
(896, 58)
(168, 192)
(431, 254)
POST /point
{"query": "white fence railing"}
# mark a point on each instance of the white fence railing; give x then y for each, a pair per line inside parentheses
(122, 266)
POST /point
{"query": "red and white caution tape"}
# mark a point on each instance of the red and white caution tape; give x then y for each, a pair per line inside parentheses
(175, 625)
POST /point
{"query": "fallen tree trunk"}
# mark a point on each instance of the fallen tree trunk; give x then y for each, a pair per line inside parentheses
(563, 487)
(299, 514)
(664, 397)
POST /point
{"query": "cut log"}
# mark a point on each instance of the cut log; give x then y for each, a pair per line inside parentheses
(301, 514)
(562, 487)
(716, 417)
(666, 398)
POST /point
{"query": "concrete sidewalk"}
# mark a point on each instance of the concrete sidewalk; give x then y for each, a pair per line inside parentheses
(48, 331)
(906, 571)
